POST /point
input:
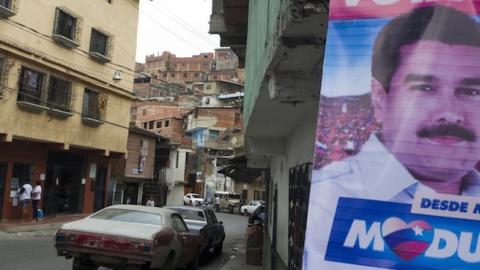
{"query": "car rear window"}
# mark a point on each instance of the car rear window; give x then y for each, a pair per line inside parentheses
(191, 214)
(195, 196)
(130, 216)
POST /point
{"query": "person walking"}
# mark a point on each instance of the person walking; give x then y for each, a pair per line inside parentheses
(36, 197)
(25, 198)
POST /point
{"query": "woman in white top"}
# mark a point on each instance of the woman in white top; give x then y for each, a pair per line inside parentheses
(36, 197)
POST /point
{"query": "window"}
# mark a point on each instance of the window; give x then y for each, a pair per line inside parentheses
(91, 104)
(209, 87)
(66, 29)
(172, 74)
(165, 75)
(6, 3)
(3, 74)
(167, 123)
(59, 92)
(129, 216)
(185, 75)
(214, 134)
(237, 117)
(150, 124)
(31, 84)
(178, 224)
(159, 124)
(196, 75)
(22, 174)
(145, 125)
(100, 45)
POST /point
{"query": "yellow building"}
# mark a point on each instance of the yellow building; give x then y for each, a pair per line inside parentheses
(66, 78)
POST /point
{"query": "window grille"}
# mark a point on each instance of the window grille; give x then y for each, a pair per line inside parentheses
(59, 94)
(91, 104)
(31, 86)
(67, 28)
(101, 45)
(299, 191)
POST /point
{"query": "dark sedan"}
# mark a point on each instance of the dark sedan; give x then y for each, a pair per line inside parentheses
(203, 221)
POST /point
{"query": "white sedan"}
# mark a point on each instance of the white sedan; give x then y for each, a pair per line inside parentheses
(192, 199)
(133, 236)
(249, 208)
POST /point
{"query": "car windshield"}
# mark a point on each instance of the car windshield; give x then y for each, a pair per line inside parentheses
(234, 197)
(195, 196)
(191, 214)
(130, 216)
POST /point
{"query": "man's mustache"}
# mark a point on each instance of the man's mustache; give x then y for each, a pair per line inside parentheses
(447, 130)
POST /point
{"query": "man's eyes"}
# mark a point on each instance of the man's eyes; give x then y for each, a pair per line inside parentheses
(423, 87)
(467, 91)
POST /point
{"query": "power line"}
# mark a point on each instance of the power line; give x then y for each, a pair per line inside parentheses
(185, 25)
(77, 50)
(166, 29)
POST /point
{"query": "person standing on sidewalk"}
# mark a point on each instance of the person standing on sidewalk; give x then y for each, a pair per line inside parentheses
(36, 197)
(25, 198)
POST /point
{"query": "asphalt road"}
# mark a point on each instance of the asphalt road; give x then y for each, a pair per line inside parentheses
(38, 253)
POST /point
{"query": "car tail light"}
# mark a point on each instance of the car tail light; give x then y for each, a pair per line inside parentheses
(65, 236)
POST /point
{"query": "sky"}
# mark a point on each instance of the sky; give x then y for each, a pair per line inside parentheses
(178, 26)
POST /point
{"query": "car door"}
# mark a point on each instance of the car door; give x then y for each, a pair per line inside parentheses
(210, 229)
(189, 249)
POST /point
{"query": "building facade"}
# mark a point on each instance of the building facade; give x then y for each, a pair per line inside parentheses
(282, 45)
(66, 79)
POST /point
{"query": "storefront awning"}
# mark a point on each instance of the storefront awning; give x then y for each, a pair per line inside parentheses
(237, 169)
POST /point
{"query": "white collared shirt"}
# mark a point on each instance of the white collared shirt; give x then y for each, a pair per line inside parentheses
(375, 174)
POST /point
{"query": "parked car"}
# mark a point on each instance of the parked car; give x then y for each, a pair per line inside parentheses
(249, 208)
(227, 201)
(203, 221)
(192, 199)
(123, 236)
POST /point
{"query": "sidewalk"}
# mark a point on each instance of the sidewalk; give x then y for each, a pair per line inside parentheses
(238, 261)
(45, 227)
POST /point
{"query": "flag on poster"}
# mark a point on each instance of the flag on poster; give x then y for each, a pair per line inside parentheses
(395, 181)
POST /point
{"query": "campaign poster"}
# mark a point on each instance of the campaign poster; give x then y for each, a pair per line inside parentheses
(395, 181)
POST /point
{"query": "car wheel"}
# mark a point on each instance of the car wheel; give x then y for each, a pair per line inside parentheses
(230, 209)
(218, 249)
(83, 264)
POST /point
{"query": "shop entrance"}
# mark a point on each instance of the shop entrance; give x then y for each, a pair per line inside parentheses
(131, 193)
(3, 178)
(64, 190)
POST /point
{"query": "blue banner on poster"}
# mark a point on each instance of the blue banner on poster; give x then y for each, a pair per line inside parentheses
(387, 235)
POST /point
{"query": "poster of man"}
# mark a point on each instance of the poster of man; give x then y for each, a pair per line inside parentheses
(399, 116)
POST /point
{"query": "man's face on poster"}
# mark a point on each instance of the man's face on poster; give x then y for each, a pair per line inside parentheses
(431, 112)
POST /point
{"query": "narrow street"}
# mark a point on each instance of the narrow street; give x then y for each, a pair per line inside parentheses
(38, 252)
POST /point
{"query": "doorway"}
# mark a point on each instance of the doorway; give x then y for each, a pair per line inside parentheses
(130, 195)
(100, 188)
(64, 190)
(3, 178)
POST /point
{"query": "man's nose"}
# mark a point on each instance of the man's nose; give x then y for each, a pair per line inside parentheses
(450, 113)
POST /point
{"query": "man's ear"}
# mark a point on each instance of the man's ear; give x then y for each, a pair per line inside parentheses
(379, 96)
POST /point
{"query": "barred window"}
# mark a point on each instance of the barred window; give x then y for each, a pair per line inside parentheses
(6, 3)
(98, 42)
(101, 45)
(91, 104)
(59, 94)
(31, 84)
(67, 27)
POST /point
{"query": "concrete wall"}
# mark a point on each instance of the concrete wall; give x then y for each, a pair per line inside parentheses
(299, 150)
(133, 156)
(176, 176)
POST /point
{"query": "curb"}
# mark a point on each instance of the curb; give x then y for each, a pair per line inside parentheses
(32, 228)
